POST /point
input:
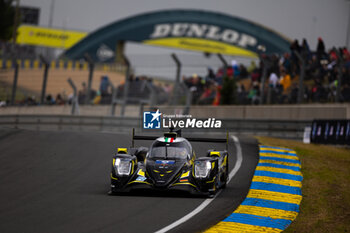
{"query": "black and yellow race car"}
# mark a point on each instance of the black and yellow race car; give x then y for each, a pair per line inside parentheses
(170, 163)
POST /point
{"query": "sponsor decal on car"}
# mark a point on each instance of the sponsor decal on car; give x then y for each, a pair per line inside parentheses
(141, 178)
(169, 139)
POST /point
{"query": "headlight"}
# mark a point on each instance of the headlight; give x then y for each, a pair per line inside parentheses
(122, 166)
(202, 168)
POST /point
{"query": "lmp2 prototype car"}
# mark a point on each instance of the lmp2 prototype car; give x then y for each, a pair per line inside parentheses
(169, 164)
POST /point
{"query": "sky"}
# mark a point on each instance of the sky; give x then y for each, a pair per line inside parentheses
(296, 19)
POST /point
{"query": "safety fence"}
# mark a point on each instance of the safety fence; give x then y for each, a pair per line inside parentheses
(275, 128)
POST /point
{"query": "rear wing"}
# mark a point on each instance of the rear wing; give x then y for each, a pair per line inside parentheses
(191, 139)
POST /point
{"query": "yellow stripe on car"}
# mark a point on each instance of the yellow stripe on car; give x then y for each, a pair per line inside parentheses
(186, 174)
(141, 173)
(125, 150)
(184, 183)
(139, 181)
(211, 181)
(114, 178)
(215, 153)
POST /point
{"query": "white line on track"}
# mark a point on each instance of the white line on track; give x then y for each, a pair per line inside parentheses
(208, 200)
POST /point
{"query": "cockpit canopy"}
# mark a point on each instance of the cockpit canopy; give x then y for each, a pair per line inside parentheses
(178, 150)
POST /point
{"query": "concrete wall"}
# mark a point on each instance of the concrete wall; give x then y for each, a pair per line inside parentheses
(274, 128)
(267, 112)
(30, 80)
(276, 112)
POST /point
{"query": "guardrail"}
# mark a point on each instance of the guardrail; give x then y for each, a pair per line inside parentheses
(276, 128)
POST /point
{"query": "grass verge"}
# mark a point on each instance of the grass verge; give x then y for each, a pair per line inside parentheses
(326, 186)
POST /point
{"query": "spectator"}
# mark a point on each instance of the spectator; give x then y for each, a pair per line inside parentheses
(210, 75)
(242, 95)
(251, 67)
(208, 95)
(97, 98)
(273, 80)
(59, 100)
(104, 84)
(285, 81)
(305, 50)
(243, 72)
(50, 100)
(320, 50)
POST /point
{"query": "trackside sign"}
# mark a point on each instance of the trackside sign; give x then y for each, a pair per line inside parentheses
(206, 31)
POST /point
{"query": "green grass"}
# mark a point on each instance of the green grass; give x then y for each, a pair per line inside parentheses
(326, 186)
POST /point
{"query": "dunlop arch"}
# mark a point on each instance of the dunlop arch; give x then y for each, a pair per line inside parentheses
(194, 30)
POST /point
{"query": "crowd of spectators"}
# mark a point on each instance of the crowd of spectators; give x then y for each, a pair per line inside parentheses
(238, 84)
(322, 69)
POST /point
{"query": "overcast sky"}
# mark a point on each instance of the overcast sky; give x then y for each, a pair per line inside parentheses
(298, 19)
(293, 18)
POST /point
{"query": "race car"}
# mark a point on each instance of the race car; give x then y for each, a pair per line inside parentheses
(170, 163)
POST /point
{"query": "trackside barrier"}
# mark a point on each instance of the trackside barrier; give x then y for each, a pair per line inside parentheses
(274, 128)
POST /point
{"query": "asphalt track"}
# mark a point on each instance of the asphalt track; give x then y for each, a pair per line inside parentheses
(58, 182)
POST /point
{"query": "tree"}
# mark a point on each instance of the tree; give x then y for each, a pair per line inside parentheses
(7, 14)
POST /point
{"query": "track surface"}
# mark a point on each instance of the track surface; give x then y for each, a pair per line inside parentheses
(57, 182)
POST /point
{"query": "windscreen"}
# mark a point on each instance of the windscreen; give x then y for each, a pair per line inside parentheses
(164, 150)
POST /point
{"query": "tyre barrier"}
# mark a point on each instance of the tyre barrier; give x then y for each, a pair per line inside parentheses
(274, 197)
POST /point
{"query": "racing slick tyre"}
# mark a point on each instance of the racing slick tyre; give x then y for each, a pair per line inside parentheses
(225, 178)
(215, 188)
